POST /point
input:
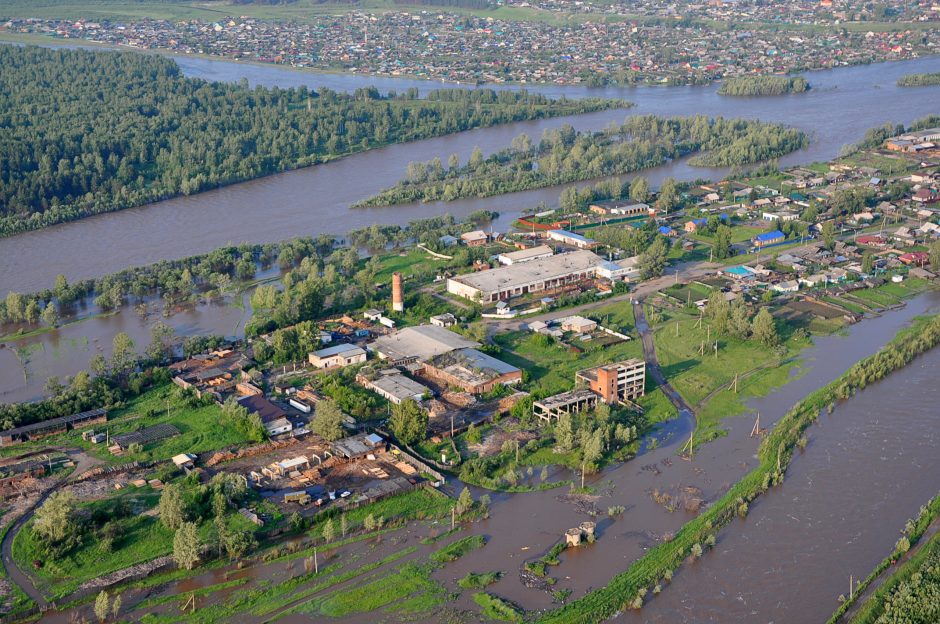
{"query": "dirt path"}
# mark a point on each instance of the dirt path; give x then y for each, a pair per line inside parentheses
(862, 598)
(83, 462)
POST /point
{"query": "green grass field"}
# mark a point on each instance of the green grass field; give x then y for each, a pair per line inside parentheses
(696, 376)
(551, 367)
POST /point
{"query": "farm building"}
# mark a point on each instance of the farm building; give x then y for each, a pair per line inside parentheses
(52, 426)
(339, 355)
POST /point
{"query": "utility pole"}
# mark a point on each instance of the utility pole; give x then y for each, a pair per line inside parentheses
(735, 383)
(452, 426)
(582, 474)
(677, 328)
(453, 518)
(716, 349)
(316, 563)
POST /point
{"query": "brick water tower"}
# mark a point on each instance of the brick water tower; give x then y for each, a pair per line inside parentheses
(398, 295)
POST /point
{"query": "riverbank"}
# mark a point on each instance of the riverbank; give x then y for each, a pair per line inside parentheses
(775, 453)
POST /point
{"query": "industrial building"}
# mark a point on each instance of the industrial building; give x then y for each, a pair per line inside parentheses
(340, 355)
(529, 277)
(420, 343)
(525, 255)
(573, 239)
(394, 386)
(565, 403)
(52, 426)
(471, 370)
(616, 383)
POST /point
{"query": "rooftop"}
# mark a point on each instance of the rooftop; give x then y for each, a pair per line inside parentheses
(472, 366)
(556, 266)
(422, 342)
(267, 410)
(525, 254)
(340, 348)
(399, 386)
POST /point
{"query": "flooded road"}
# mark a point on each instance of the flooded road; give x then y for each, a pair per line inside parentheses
(317, 199)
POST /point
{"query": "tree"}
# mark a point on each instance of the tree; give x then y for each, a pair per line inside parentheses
(476, 159)
(564, 433)
(464, 501)
(122, 353)
(592, 449)
(868, 262)
(935, 256)
(328, 420)
(829, 234)
(116, 607)
(102, 606)
(764, 328)
(237, 543)
(56, 519)
(668, 197)
(186, 545)
(161, 342)
(653, 260)
(328, 532)
(722, 242)
(739, 324)
(409, 422)
(50, 316)
(718, 310)
(174, 510)
(639, 189)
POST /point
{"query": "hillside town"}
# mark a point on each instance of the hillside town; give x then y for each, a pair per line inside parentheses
(653, 43)
(478, 370)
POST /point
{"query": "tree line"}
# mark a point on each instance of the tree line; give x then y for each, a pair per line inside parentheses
(763, 85)
(84, 132)
(919, 80)
(565, 155)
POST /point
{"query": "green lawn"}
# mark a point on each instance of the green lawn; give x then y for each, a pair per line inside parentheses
(695, 375)
(414, 260)
(617, 316)
(551, 367)
(201, 428)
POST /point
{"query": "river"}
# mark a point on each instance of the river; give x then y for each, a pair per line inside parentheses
(868, 468)
(317, 199)
(843, 103)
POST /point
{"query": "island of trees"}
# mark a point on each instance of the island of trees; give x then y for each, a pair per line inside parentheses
(85, 132)
(565, 155)
(763, 85)
(919, 80)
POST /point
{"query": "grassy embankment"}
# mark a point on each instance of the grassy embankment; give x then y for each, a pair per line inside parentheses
(143, 539)
(881, 600)
(774, 455)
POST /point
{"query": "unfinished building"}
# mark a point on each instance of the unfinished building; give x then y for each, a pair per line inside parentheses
(621, 382)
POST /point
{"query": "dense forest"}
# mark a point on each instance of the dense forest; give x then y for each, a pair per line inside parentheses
(763, 85)
(565, 155)
(86, 132)
(919, 80)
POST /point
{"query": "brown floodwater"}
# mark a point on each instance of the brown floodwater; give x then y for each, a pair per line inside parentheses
(868, 468)
(791, 557)
(317, 199)
(537, 520)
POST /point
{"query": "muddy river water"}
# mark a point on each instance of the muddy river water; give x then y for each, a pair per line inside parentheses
(842, 104)
(868, 467)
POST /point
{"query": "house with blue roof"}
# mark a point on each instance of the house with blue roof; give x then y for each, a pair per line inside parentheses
(769, 238)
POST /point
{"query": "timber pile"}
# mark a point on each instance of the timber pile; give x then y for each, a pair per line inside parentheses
(219, 457)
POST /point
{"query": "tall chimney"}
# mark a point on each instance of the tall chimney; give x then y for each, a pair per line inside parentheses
(398, 295)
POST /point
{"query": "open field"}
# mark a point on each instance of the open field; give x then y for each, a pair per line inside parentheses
(551, 366)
